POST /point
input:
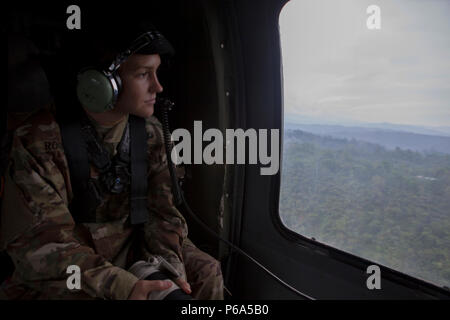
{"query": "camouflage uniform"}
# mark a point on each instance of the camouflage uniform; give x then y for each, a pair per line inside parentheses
(41, 237)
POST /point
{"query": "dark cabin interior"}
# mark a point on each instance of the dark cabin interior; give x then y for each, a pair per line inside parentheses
(227, 72)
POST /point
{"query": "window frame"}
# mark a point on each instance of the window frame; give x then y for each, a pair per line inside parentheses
(317, 269)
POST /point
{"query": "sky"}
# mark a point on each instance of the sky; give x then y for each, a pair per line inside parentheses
(336, 70)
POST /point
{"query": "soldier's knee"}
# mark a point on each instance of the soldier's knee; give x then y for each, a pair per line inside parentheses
(208, 283)
(213, 268)
(200, 266)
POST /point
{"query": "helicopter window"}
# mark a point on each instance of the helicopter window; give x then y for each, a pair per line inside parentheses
(366, 142)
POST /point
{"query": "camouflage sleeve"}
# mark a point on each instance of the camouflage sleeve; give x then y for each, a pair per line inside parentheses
(167, 228)
(38, 230)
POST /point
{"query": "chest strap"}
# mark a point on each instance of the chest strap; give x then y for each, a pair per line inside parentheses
(87, 193)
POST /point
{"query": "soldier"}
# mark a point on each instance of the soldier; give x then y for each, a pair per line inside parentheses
(44, 235)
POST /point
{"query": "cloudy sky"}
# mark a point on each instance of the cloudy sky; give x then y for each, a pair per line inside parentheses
(337, 70)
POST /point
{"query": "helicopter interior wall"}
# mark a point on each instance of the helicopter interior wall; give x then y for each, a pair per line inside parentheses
(315, 269)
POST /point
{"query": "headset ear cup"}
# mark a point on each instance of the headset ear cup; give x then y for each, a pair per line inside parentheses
(97, 90)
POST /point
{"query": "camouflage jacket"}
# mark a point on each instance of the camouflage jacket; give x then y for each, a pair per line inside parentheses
(39, 232)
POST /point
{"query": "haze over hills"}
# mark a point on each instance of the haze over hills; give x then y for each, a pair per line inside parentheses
(390, 136)
(294, 119)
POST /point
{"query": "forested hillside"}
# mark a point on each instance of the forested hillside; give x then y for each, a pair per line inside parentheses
(428, 142)
(389, 206)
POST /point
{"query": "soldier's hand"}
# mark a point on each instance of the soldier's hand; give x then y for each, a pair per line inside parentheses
(183, 285)
(142, 288)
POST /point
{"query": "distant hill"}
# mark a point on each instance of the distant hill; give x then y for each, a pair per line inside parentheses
(293, 120)
(434, 131)
(388, 138)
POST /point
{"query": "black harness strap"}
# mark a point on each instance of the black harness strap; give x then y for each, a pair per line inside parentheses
(75, 150)
(139, 167)
(87, 194)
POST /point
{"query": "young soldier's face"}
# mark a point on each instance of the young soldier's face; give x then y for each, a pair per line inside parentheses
(139, 85)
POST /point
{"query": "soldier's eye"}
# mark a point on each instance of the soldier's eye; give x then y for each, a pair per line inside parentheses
(142, 75)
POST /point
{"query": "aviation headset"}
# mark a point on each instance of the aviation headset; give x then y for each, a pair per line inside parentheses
(98, 89)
